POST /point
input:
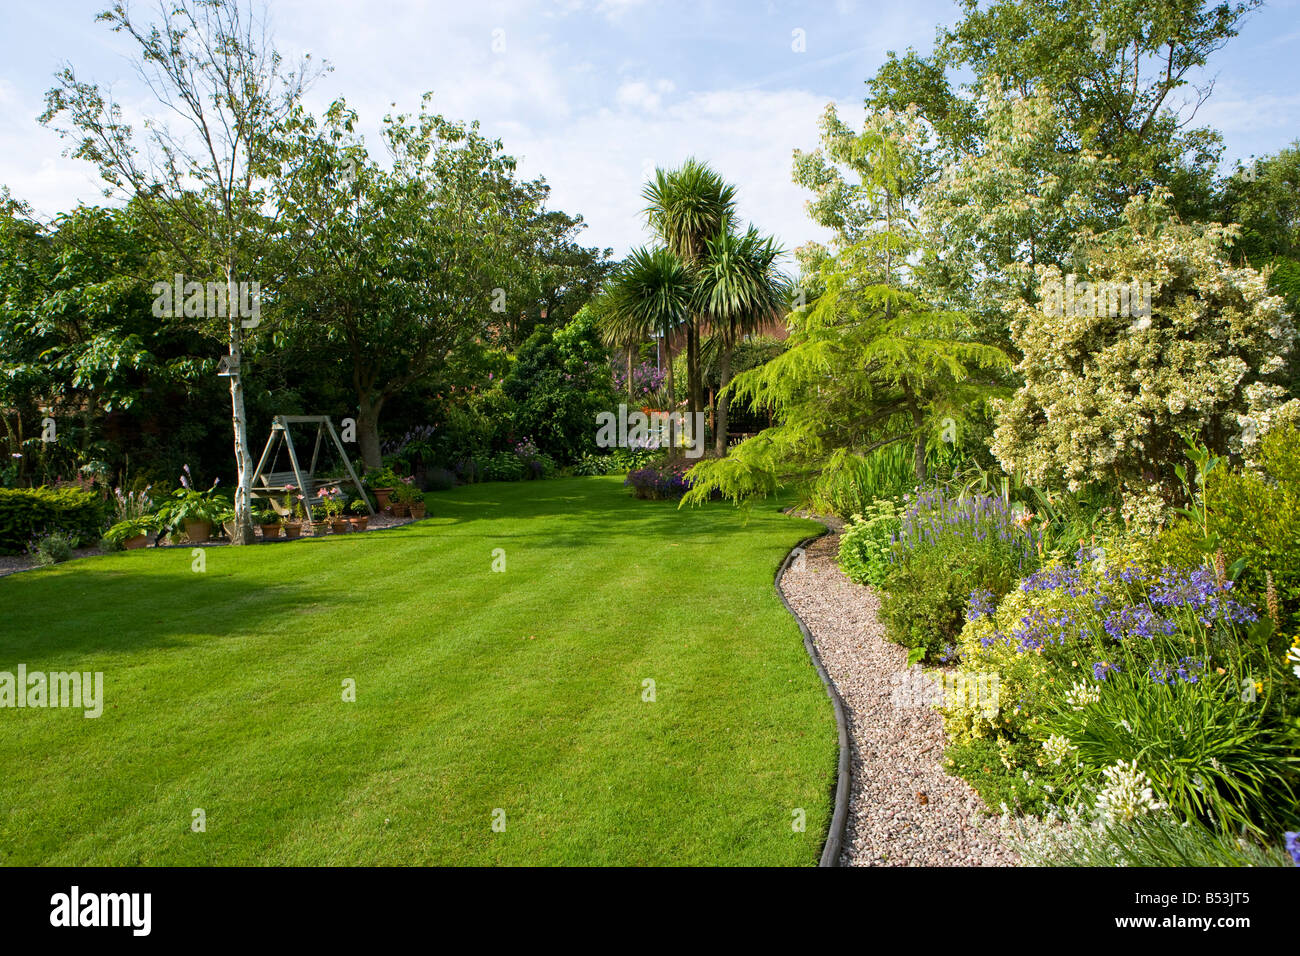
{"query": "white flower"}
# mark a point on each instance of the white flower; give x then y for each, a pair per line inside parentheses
(1081, 694)
(1058, 748)
(1127, 794)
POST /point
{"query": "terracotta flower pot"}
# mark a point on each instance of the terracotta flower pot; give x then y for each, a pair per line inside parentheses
(292, 529)
(360, 522)
(139, 541)
(197, 531)
(381, 497)
(401, 510)
(417, 510)
(340, 526)
(270, 531)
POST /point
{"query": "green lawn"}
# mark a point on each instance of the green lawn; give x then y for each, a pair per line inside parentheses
(476, 691)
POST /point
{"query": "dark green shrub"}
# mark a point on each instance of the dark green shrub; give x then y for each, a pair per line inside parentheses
(558, 384)
(589, 465)
(27, 513)
(439, 479)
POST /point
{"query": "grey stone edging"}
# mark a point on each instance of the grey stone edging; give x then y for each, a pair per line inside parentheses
(840, 816)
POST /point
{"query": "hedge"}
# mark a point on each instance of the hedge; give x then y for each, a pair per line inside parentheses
(26, 513)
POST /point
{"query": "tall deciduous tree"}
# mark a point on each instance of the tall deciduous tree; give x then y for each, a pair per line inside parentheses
(212, 68)
(402, 270)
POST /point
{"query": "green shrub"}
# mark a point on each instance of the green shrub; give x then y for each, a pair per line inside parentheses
(1253, 516)
(925, 600)
(27, 513)
(993, 768)
(132, 528)
(948, 550)
(589, 465)
(503, 466)
(866, 544)
(382, 478)
(54, 548)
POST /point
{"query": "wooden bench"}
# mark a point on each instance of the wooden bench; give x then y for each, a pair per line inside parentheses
(272, 485)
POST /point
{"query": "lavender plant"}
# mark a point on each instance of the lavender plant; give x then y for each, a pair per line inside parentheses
(946, 548)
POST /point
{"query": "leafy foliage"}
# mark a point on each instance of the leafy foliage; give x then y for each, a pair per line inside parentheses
(1107, 397)
(866, 545)
(27, 513)
(559, 384)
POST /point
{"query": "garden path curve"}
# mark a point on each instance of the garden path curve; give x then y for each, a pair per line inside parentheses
(904, 810)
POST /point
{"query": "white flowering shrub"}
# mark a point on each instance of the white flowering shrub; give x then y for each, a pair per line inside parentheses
(1111, 381)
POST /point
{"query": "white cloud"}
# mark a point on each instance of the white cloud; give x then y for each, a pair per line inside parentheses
(598, 163)
(638, 95)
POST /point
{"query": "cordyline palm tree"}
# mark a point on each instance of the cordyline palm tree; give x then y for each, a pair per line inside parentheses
(739, 286)
(686, 207)
(616, 330)
(649, 294)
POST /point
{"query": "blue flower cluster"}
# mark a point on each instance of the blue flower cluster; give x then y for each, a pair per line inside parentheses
(1137, 620)
(1101, 669)
(1038, 629)
(981, 604)
(1185, 672)
(1056, 578)
(933, 519)
(1198, 591)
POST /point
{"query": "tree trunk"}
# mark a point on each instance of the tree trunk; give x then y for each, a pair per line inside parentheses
(672, 385)
(920, 446)
(690, 370)
(720, 422)
(368, 430)
(243, 466)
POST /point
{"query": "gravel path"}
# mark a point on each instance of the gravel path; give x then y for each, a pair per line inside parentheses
(904, 810)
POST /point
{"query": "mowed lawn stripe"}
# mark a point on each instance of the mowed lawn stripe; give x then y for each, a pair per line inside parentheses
(476, 691)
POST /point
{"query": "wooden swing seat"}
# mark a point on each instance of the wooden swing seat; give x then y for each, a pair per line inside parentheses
(273, 484)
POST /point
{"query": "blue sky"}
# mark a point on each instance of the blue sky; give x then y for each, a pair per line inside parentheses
(593, 93)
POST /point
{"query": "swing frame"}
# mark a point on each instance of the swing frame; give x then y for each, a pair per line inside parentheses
(306, 481)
